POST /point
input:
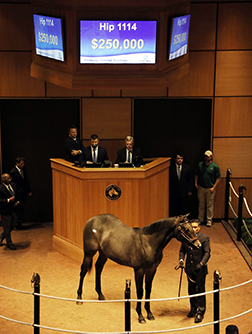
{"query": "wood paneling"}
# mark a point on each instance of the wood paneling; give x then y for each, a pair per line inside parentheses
(233, 153)
(200, 80)
(15, 27)
(233, 117)
(109, 118)
(15, 76)
(58, 91)
(234, 26)
(107, 93)
(154, 91)
(203, 27)
(79, 194)
(234, 73)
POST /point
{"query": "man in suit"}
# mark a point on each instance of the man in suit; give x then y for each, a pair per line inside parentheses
(7, 204)
(196, 270)
(73, 146)
(130, 154)
(95, 153)
(19, 177)
(180, 186)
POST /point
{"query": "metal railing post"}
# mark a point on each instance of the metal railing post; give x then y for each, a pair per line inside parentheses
(36, 283)
(127, 306)
(227, 193)
(241, 188)
(216, 286)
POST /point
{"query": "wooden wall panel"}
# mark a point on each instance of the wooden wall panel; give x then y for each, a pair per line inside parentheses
(200, 80)
(233, 117)
(203, 27)
(15, 76)
(15, 27)
(107, 93)
(233, 153)
(58, 91)
(109, 118)
(234, 73)
(219, 200)
(235, 26)
(143, 92)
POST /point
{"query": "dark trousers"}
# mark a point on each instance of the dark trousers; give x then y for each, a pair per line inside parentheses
(197, 303)
(8, 222)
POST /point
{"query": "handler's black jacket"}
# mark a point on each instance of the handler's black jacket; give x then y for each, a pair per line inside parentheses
(195, 256)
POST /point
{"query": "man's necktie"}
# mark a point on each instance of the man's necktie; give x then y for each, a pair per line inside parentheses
(11, 190)
(179, 172)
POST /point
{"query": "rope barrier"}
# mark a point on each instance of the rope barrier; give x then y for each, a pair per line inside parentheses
(231, 186)
(236, 216)
(132, 300)
(246, 227)
(247, 207)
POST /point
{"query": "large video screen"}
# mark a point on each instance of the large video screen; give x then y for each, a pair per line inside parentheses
(118, 42)
(179, 36)
(48, 36)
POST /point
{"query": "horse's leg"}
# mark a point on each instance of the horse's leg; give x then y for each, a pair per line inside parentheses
(102, 259)
(148, 284)
(139, 288)
(85, 267)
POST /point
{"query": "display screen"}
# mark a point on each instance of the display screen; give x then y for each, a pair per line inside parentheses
(118, 42)
(48, 37)
(179, 36)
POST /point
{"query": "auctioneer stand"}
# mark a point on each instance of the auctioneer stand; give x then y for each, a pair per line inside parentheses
(137, 196)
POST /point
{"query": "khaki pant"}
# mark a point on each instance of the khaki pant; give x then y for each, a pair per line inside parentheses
(206, 201)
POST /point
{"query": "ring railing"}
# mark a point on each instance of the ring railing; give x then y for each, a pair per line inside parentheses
(216, 322)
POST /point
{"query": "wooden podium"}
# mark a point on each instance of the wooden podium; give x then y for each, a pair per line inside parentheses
(137, 196)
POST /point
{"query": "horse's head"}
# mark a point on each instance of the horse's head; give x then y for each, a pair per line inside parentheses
(185, 232)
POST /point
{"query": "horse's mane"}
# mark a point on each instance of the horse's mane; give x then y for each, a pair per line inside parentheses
(157, 226)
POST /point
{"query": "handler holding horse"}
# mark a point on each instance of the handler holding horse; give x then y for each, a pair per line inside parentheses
(139, 248)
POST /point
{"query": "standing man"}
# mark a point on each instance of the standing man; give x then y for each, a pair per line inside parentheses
(206, 180)
(180, 186)
(73, 146)
(7, 204)
(196, 270)
(130, 154)
(19, 177)
(95, 153)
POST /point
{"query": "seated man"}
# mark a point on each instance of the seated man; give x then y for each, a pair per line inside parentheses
(129, 154)
(73, 146)
(95, 153)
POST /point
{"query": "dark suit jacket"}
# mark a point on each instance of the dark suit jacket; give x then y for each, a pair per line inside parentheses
(180, 188)
(22, 184)
(70, 145)
(5, 207)
(137, 158)
(102, 154)
(195, 256)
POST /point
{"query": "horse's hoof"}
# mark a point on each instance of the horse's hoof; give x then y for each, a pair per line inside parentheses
(79, 303)
(150, 316)
(101, 297)
(141, 320)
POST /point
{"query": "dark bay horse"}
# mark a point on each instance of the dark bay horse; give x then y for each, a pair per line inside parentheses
(139, 248)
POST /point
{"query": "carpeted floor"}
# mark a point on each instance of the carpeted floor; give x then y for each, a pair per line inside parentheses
(60, 277)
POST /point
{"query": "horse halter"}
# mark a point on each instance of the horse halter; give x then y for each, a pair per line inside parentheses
(182, 234)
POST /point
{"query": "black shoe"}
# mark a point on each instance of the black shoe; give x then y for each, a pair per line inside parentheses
(192, 313)
(11, 246)
(199, 318)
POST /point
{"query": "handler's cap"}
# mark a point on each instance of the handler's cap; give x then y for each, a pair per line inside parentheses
(208, 153)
